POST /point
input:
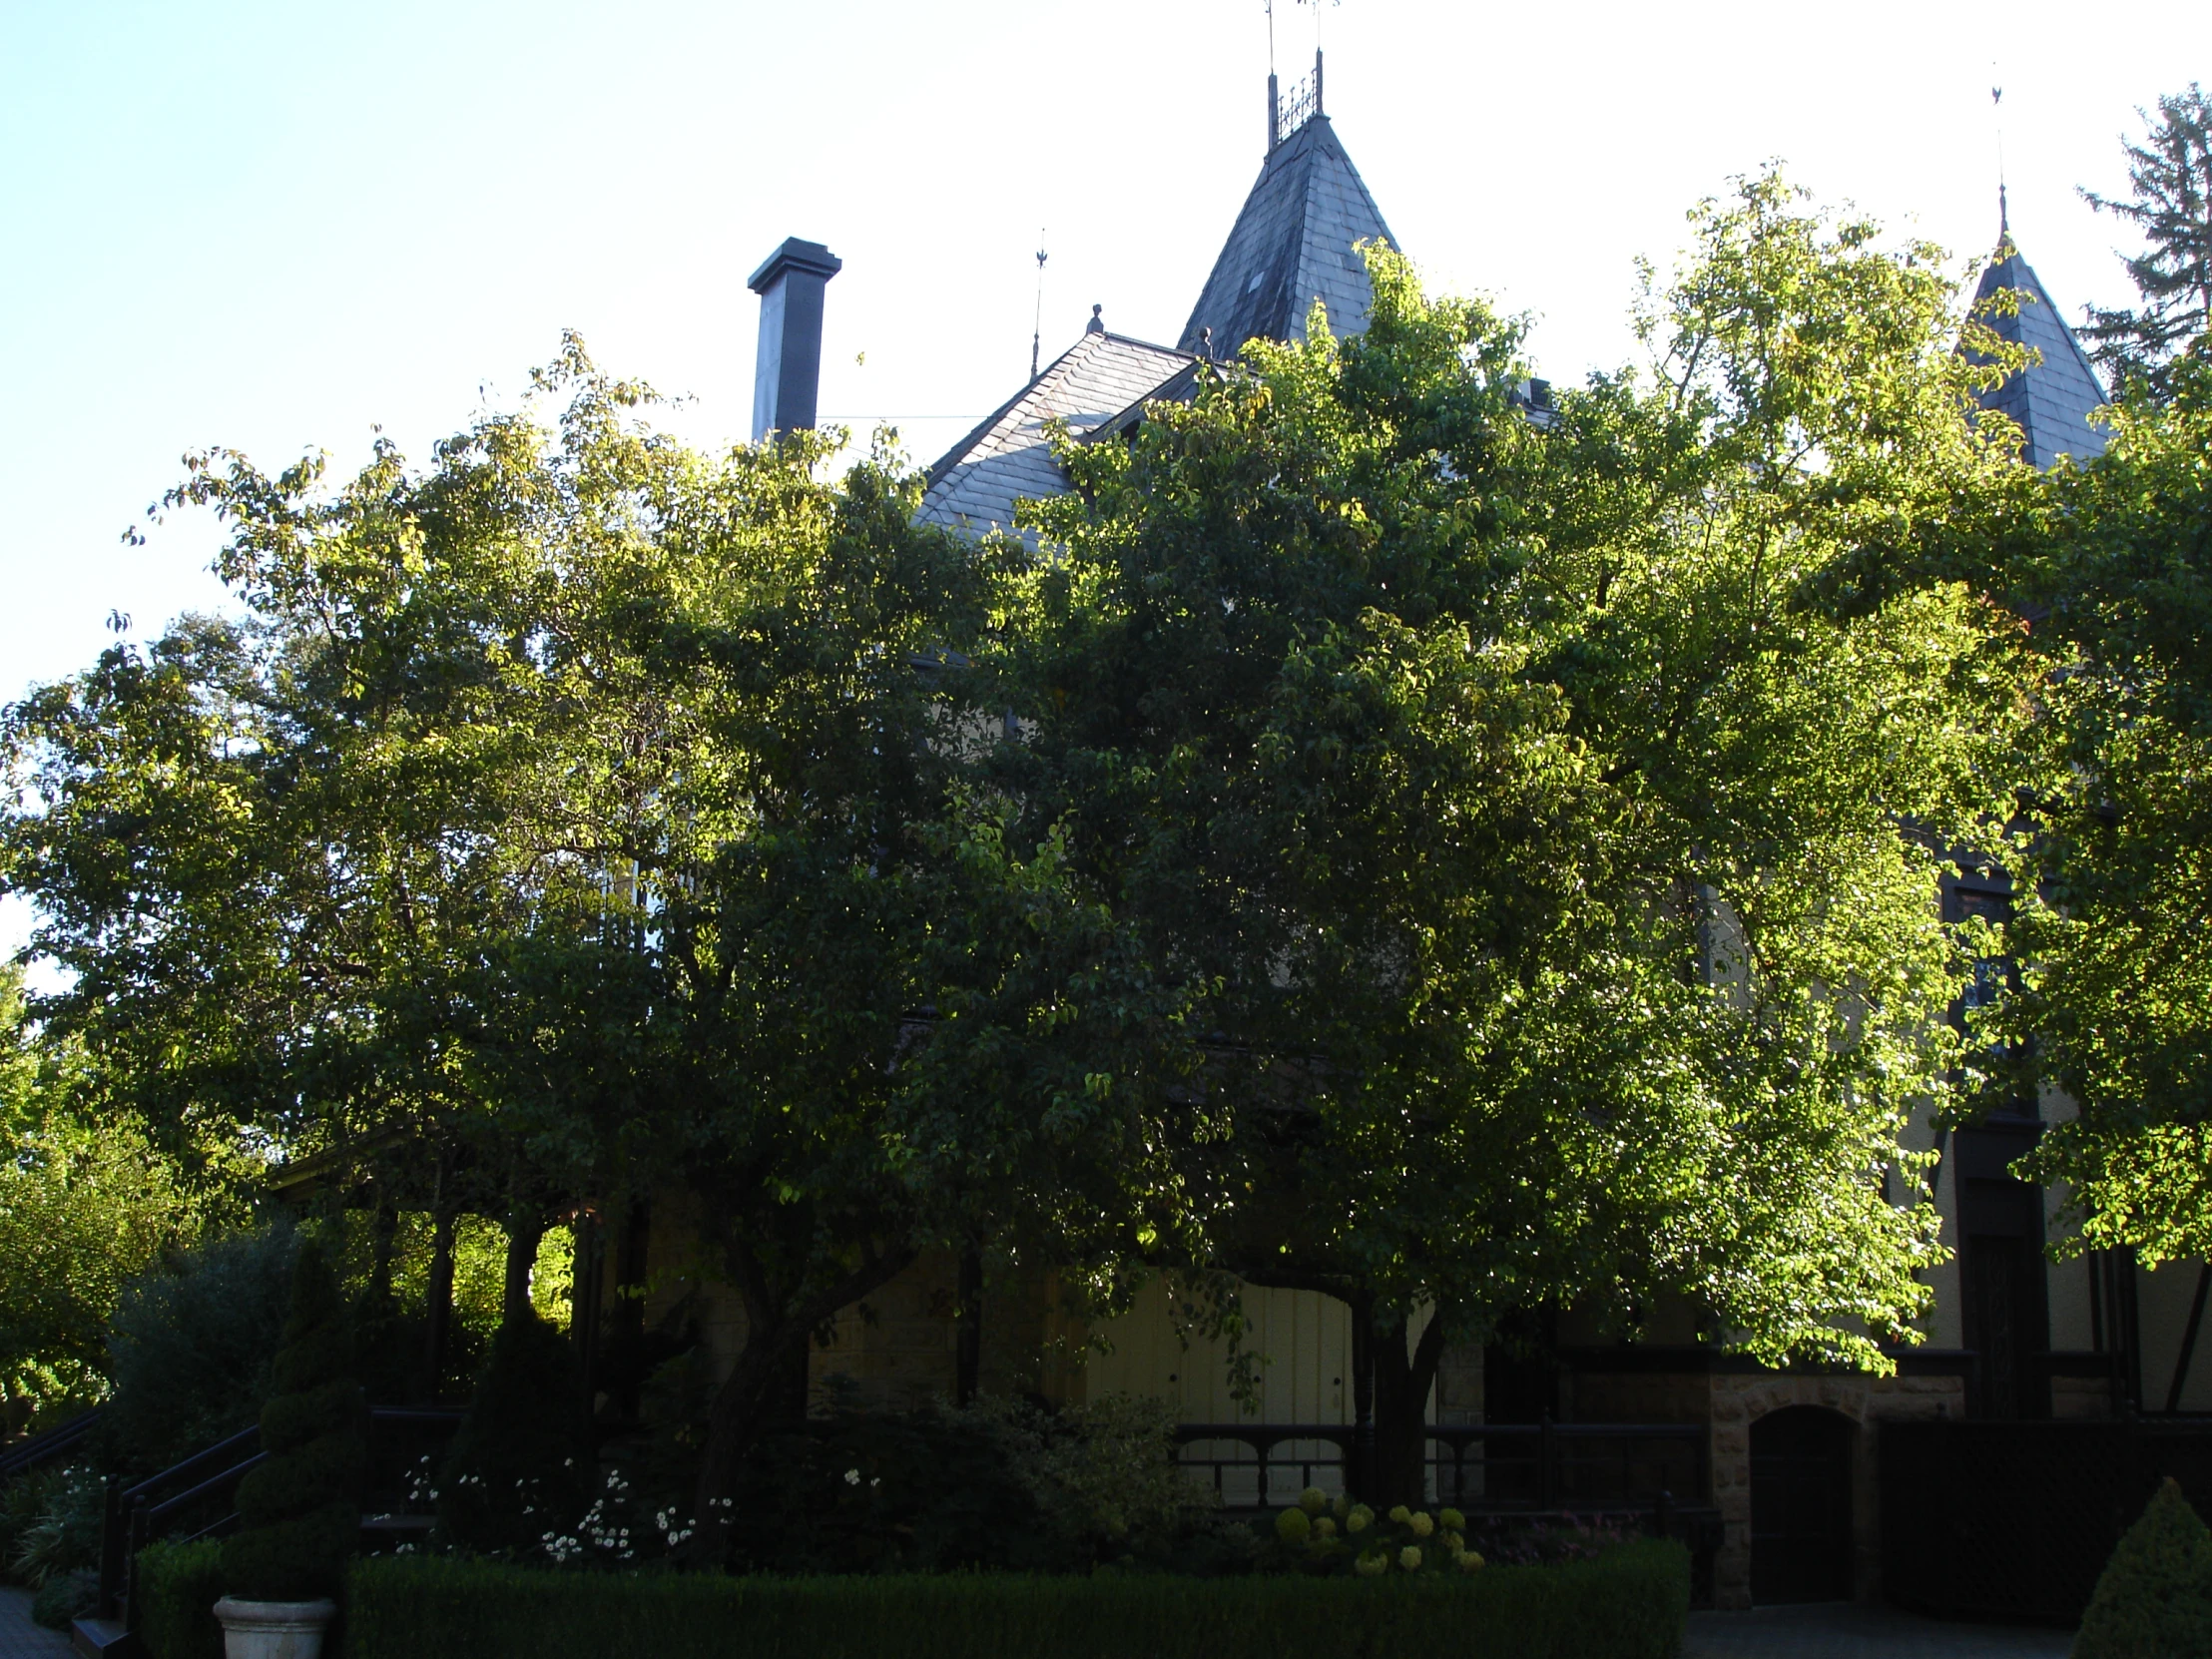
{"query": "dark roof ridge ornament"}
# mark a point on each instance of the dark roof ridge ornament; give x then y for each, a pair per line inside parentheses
(1287, 115)
(1097, 323)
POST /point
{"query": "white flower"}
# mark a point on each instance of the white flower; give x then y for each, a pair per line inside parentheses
(852, 1477)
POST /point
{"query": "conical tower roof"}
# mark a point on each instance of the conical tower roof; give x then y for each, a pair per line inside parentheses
(1294, 242)
(2052, 403)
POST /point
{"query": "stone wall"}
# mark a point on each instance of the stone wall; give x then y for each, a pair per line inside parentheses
(1738, 1401)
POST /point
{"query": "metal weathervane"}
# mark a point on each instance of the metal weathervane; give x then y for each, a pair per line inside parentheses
(1036, 332)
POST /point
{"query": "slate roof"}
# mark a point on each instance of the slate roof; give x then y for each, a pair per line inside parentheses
(1293, 243)
(974, 487)
(2052, 402)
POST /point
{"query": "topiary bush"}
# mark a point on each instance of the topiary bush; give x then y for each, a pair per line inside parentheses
(299, 1511)
(520, 1466)
(2155, 1598)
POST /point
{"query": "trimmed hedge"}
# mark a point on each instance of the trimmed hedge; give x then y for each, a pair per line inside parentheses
(1629, 1604)
(178, 1587)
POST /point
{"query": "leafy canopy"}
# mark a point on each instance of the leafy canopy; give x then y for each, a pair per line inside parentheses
(1560, 856)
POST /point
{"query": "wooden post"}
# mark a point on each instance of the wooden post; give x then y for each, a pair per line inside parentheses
(445, 1215)
(583, 1297)
(967, 1336)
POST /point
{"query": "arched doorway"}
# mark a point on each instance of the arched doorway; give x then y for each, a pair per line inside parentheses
(1801, 1505)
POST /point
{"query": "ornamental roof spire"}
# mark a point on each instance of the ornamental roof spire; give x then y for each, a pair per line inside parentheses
(1294, 240)
(2053, 402)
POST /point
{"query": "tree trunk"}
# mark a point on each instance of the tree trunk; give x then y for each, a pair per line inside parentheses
(438, 1342)
(760, 1390)
(525, 1229)
(967, 1335)
(1402, 1381)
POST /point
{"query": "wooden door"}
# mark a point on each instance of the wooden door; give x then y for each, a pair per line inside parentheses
(1801, 1506)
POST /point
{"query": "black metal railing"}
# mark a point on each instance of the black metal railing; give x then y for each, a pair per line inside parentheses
(40, 1449)
(1484, 1468)
(194, 1499)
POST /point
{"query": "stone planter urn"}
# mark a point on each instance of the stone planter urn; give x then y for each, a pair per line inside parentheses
(273, 1629)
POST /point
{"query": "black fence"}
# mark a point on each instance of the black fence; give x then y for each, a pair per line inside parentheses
(1630, 1476)
(2016, 1521)
(1486, 1467)
(196, 1499)
(36, 1451)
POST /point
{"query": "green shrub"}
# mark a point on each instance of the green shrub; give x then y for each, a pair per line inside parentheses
(909, 1492)
(1629, 1604)
(299, 1511)
(178, 1587)
(520, 1466)
(64, 1597)
(2155, 1598)
(1001, 1484)
(191, 1346)
(52, 1524)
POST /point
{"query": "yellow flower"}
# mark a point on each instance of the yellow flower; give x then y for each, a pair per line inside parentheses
(1409, 1557)
(1373, 1565)
(1422, 1524)
(1470, 1562)
(1292, 1526)
(1323, 1527)
(1452, 1520)
(1357, 1520)
(1312, 1501)
(1400, 1515)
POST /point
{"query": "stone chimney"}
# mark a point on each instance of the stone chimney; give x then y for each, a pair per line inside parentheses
(787, 375)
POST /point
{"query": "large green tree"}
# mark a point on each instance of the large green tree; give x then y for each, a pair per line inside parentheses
(2115, 1001)
(1561, 857)
(87, 1200)
(607, 812)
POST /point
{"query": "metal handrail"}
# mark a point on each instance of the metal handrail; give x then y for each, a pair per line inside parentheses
(41, 1448)
(133, 1511)
(159, 1512)
(196, 1462)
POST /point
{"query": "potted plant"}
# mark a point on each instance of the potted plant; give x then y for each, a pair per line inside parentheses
(299, 1509)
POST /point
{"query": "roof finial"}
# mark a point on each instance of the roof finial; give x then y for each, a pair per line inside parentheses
(1097, 324)
(2005, 213)
(1036, 331)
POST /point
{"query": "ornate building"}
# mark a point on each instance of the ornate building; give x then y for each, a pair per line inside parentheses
(1776, 1473)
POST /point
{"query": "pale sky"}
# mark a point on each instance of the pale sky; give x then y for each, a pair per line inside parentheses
(277, 226)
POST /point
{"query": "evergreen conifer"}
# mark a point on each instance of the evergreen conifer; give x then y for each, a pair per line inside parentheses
(2171, 172)
(2154, 1599)
(299, 1511)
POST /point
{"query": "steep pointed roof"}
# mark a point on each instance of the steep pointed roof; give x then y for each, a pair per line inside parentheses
(2052, 403)
(1292, 243)
(974, 488)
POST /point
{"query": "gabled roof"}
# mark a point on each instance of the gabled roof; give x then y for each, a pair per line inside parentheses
(1292, 243)
(1006, 458)
(2053, 401)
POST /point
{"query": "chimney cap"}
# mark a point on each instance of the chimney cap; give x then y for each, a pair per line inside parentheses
(795, 254)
